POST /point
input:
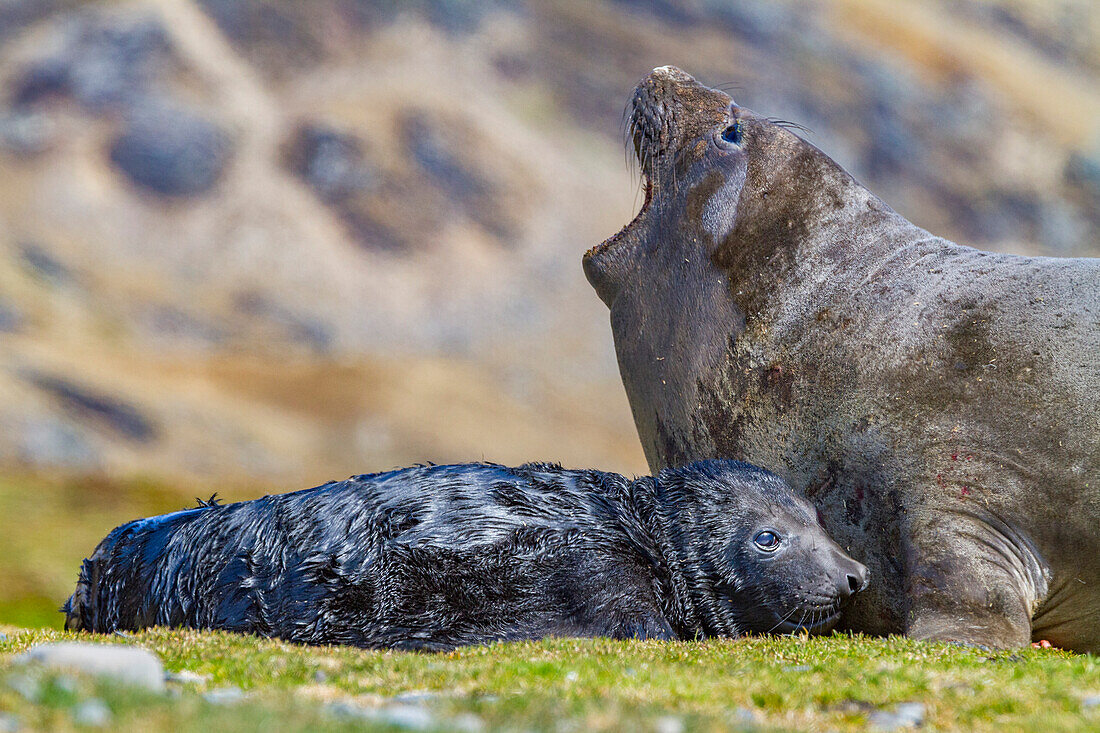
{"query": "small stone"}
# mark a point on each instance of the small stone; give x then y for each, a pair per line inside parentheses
(904, 715)
(93, 712)
(320, 677)
(9, 723)
(187, 677)
(224, 696)
(125, 664)
(412, 717)
(572, 676)
(1090, 701)
(798, 668)
(669, 724)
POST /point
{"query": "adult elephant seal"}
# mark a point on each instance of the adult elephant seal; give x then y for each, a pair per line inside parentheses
(939, 404)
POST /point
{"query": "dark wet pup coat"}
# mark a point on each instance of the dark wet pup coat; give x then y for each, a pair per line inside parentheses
(439, 556)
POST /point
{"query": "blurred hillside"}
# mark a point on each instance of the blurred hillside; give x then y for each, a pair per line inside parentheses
(268, 241)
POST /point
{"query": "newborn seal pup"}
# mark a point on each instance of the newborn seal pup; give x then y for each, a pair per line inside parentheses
(941, 405)
(440, 556)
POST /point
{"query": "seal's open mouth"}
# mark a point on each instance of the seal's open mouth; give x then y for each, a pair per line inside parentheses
(610, 241)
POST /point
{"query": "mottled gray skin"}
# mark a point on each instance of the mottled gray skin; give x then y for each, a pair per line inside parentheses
(940, 405)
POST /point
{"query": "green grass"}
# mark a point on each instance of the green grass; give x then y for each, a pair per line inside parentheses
(766, 683)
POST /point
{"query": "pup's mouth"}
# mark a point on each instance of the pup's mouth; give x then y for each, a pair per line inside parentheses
(813, 619)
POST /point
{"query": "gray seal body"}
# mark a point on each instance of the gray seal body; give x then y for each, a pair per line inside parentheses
(939, 404)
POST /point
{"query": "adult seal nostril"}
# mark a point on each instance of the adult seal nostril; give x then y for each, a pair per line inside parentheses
(941, 405)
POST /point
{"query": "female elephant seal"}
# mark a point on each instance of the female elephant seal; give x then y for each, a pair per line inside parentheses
(439, 556)
(940, 404)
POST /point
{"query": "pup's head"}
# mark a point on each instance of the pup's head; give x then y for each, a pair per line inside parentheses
(756, 551)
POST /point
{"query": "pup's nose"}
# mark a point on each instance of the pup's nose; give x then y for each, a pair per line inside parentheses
(855, 578)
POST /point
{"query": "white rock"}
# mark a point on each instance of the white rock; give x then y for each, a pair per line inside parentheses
(904, 715)
(224, 696)
(93, 713)
(669, 724)
(413, 717)
(126, 664)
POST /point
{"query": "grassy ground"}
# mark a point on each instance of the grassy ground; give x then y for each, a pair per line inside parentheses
(47, 526)
(766, 683)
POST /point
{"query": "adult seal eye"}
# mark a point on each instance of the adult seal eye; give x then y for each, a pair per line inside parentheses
(766, 541)
(733, 133)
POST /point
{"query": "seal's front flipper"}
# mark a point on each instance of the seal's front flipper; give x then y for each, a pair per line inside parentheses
(974, 580)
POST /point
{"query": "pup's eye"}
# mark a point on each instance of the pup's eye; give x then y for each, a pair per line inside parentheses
(766, 541)
(733, 133)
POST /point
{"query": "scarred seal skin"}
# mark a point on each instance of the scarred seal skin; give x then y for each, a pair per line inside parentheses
(939, 404)
(435, 557)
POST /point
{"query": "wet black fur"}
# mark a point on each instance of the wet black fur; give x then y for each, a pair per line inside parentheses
(434, 557)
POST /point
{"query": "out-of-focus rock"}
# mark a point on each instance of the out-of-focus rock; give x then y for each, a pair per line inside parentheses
(101, 60)
(124, 664)
(43, 265)
(224, 696)
(330, 161)
(84, 403)
(171, 151)
(25, 133)
(11, 318)
(92, 713)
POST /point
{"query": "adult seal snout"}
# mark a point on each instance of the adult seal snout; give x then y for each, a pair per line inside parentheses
(939, 404)
(439, 556)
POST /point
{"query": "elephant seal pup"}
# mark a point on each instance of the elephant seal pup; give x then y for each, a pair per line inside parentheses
(940, 405)
(440, 556)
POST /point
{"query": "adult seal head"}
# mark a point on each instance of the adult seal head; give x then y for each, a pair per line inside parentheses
(940, 405)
